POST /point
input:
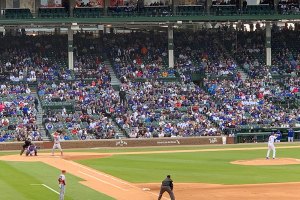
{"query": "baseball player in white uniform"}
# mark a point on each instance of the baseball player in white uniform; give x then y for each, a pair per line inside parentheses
(271, 146)
(56, 145)
(62, 185)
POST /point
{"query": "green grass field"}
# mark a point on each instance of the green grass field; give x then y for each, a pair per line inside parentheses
(203, 167)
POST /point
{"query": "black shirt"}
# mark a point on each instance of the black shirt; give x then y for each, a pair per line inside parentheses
(167, 182)
(27, 143)
(122, 94)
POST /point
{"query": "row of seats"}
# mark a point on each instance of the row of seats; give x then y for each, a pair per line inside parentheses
(182, 10)
(251, 9)
(18, 13)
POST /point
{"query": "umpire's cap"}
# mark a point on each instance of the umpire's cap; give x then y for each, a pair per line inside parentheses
(169, 176)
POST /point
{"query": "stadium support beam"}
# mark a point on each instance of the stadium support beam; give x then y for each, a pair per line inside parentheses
(72, 6)
(70, 48)
(37, 5)
(2, 4)
(276, 2)
(170, 46)
(174, 4)
(208, 5)
(268, 44)
(106, 5)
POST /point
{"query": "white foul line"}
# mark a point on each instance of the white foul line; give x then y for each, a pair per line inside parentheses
(50, 188)
(103, 181)
(46, 186)
(108, 176)
(97, 172)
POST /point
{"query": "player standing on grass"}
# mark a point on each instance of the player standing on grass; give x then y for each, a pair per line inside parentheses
(62, 184)
(271, 145)
(56, 145)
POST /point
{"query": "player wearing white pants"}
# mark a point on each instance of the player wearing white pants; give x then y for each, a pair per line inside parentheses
(56, 144)
(62, 185)
(271, 146)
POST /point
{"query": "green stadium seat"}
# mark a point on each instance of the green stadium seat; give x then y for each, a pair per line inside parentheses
(86, 12)
(18, 13)
(53, 13)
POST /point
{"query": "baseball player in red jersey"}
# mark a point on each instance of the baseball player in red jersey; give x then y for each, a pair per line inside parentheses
(56, 145)
(62, 184)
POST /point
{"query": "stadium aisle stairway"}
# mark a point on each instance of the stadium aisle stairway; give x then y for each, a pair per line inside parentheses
(244, 75)
(115, 82)
(39, 117)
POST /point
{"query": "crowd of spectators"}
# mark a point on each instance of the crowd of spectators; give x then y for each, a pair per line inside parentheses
(139, 55)
(249, 103)
(159, 109)
(92, 100)
(18, 113)
(91, 3)
(80, 125)
(154, 107)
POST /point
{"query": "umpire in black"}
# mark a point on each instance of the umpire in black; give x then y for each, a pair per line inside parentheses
(167, 186)
(26, 144)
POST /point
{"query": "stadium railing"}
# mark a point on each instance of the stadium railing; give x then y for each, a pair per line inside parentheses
(147, 11)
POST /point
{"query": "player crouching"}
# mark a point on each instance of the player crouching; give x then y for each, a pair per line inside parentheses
(31, 150)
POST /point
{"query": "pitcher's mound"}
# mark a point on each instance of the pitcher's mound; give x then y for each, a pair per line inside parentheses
(277, 161)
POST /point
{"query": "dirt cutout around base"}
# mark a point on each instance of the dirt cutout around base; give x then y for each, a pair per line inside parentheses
(264, 162)
(123, 190)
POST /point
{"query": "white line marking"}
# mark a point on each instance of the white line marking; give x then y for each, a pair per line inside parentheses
(99, 173)
(50, 188)
(46, 186)
(108, 176)
(103, 181)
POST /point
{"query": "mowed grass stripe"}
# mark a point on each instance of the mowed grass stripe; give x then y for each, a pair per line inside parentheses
(202, 167)
(10, 192)
(17, 181)
(16, 178)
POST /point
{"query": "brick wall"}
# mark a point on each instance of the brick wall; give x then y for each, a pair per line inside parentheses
(123, 143)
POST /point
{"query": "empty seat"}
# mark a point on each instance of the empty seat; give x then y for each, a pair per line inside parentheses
(53, 12)
(18, 13)
(87, 12)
